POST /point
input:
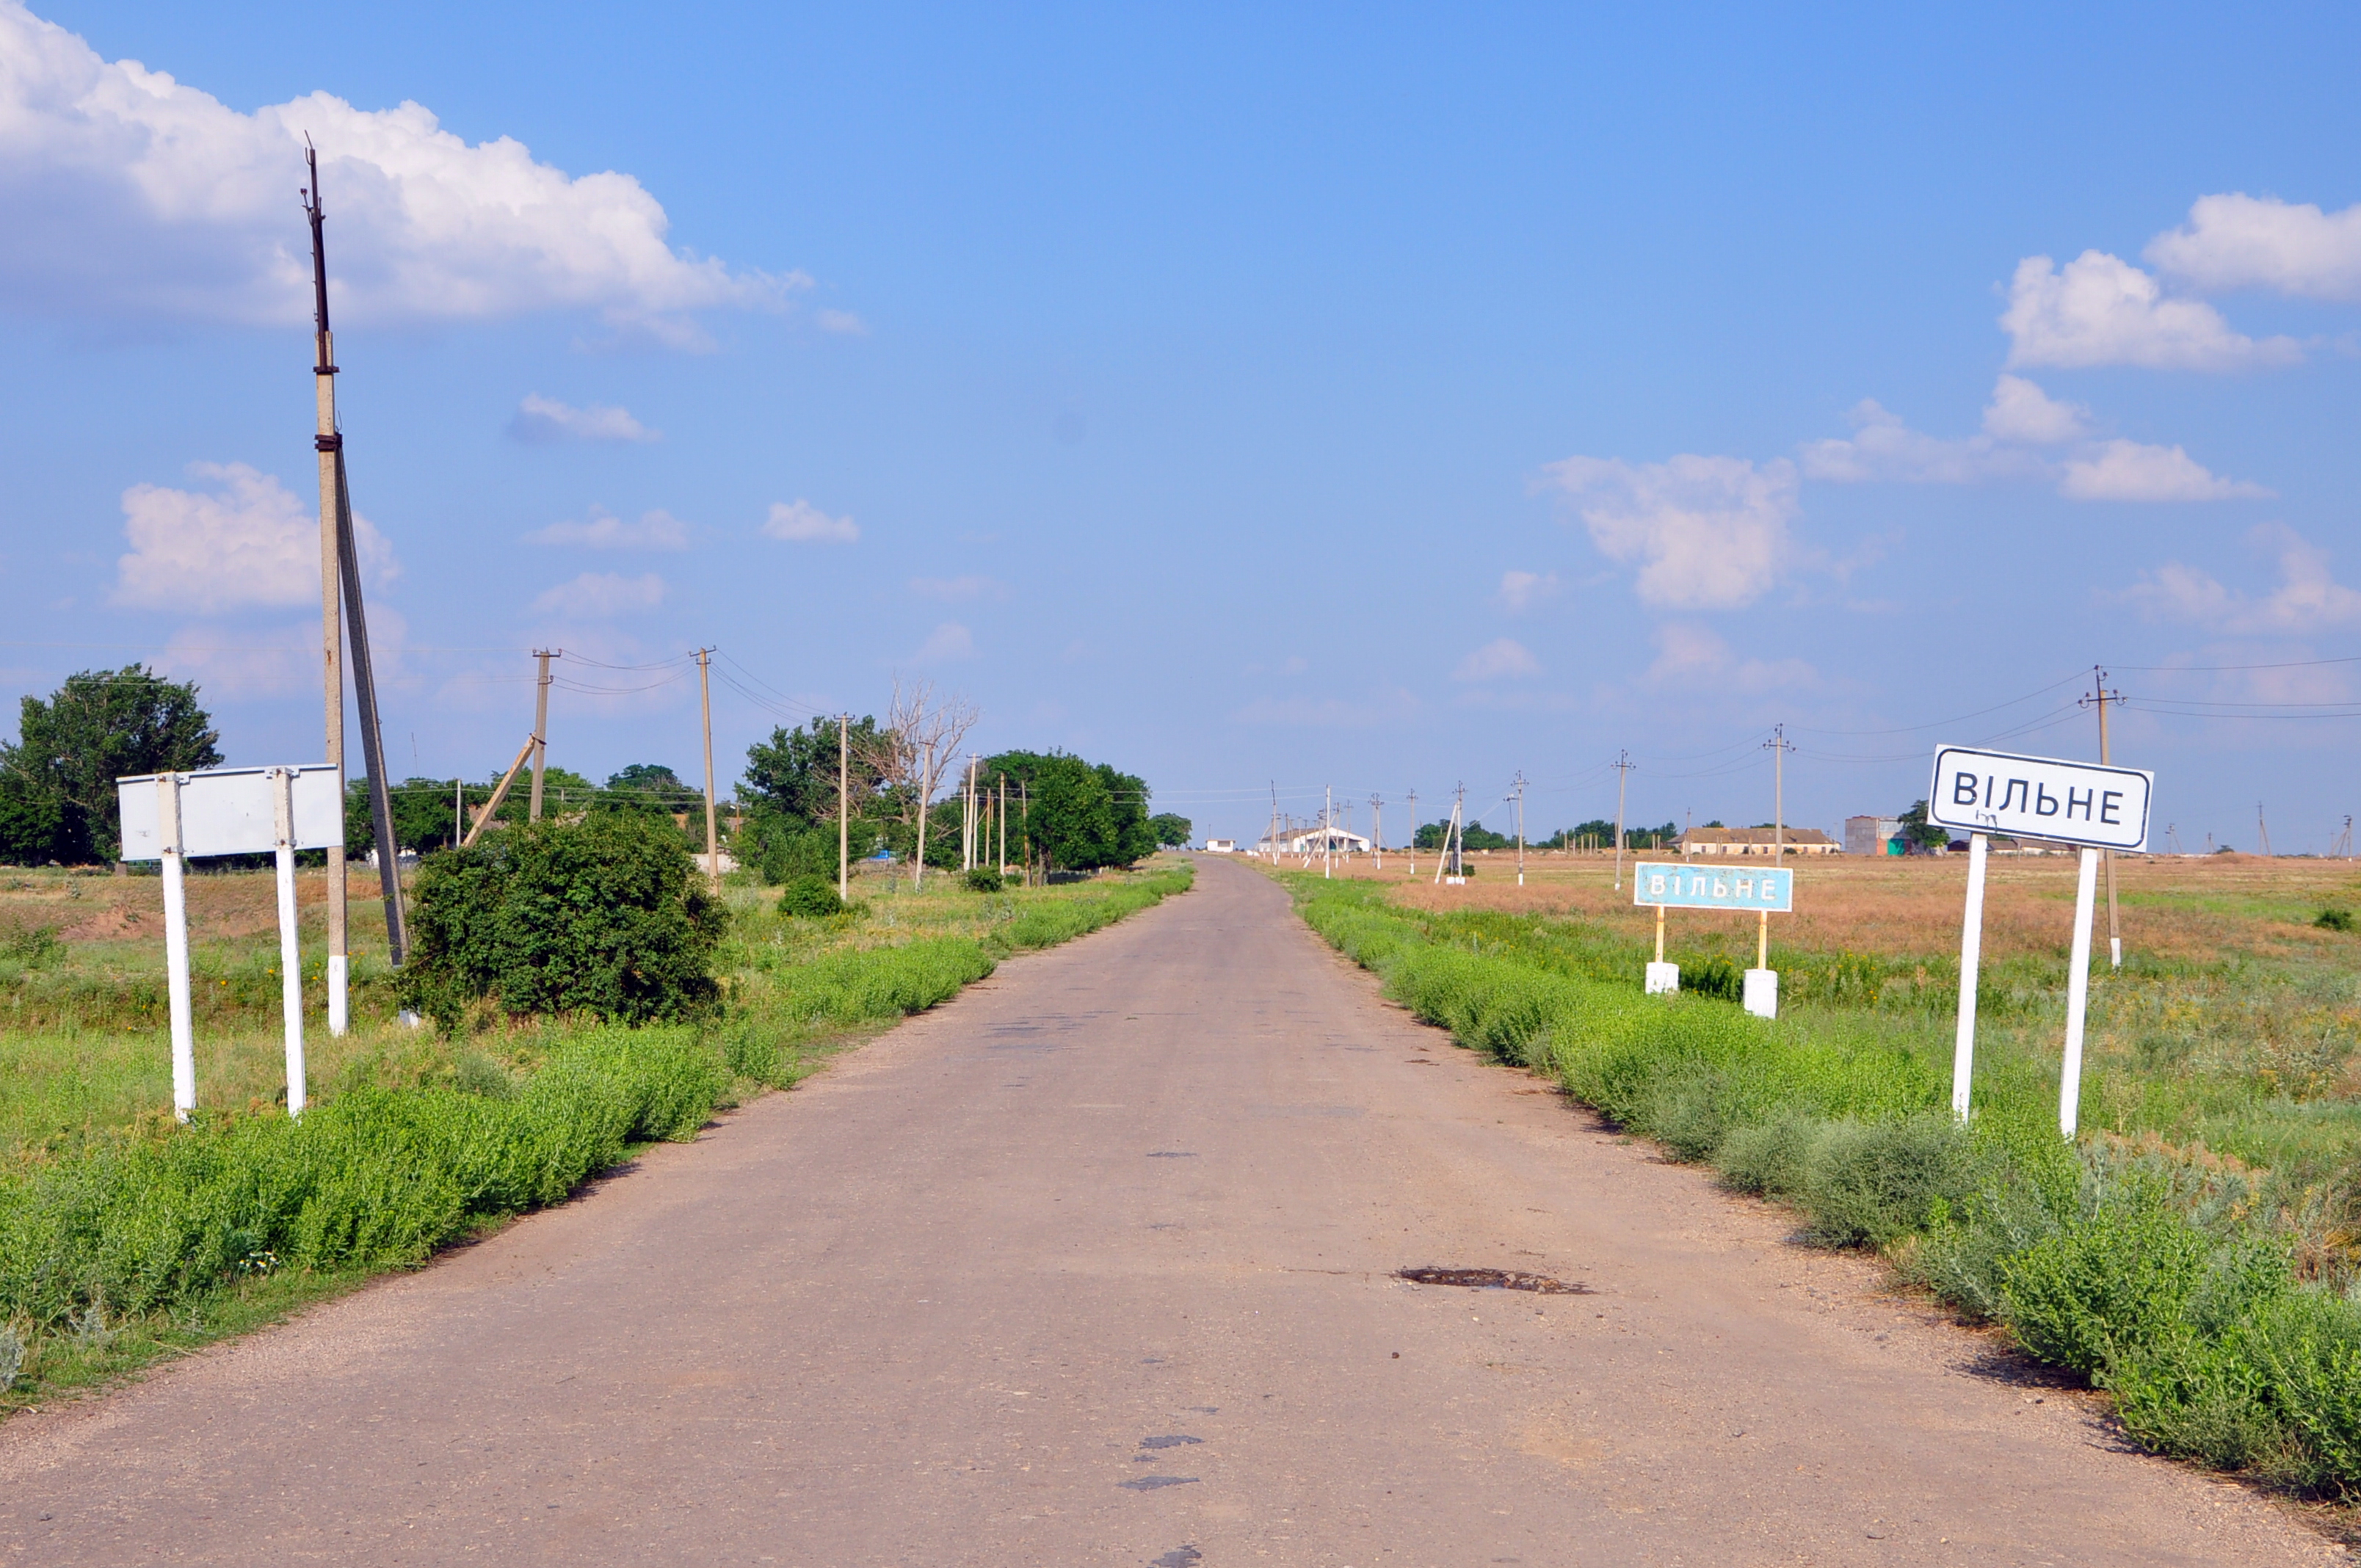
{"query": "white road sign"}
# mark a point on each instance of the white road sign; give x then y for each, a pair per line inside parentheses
(2040, 797)
(229, 811)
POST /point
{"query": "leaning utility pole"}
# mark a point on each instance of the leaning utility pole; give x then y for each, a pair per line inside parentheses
(540, 734)
(704, 701)
(1623, 779)
(2099, 698)
(2262, 831)
(340, 570)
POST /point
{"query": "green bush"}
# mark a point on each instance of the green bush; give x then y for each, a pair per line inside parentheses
(811, 897)
(602, 915)
(1716, 976)
(2334, 919)
(983, 879)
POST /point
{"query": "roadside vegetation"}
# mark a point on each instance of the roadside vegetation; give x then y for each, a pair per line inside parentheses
(2196, 1252)
(125, 1237)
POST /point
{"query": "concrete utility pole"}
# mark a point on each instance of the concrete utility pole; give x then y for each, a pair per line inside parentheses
(1520, 826)
(1778, 748)
(2099, 698)
(1623, 779)
(705, 702)
(1414, 833)
(843, 806)
(329, 444)
(1328, 835)
(1377, 830)
(540, 733)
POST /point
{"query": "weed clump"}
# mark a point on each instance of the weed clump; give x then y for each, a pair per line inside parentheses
(2333, 919)
(983, 879)
(810, 897)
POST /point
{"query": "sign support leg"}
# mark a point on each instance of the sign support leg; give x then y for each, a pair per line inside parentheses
(1762, 938)
(290, 952)
(2077, 994)
(1971, 949)
(176, 948)
(1659, 933)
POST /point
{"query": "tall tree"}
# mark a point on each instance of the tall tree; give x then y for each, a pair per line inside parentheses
(57, 778)
(915, 752)
(793, 772)
(1077, 815)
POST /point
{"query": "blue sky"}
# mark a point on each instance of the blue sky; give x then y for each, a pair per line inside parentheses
(1390, 398)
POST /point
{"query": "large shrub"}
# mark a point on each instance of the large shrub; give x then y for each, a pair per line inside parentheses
(605, 915)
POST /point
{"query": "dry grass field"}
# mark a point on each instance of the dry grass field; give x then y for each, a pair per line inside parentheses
(2193, 909)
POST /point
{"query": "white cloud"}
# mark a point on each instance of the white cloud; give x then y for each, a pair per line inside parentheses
(1502, 659)
(805, 524)
(129, 191)
(2022, 412)
(949, 642)
(2101, 310)
(2308, 596)
(601, 530)
(843, 322)
(540, 421)
(601, 594)
(1709, 532)
(247, 541)
(2129, 471)
(1884, 448)
(1695, 657)
(959, 590)
(1522, 590)
(2260, 242)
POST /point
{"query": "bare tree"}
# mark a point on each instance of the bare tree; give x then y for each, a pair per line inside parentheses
(918, 741)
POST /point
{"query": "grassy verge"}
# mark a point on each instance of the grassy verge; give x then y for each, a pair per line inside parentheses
(125, 1237)
(2211, 1295)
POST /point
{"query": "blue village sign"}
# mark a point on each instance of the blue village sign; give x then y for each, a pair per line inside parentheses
(1722, 887)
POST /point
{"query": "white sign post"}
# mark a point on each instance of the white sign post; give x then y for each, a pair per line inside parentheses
(231, 811)
(2089, 804)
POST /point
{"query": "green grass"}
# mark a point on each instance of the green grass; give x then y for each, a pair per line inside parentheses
(2194, 1251)
(125, 1237)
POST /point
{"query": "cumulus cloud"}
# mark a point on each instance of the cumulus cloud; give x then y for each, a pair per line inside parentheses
(541, 421)
(2260, 242)
(2101, 310)
(656, 529)
(1501, 659)
(805, 524)
(2129, 471)
(598, 595)
(128, 191)
(1522, 590)
(2022, 412)
(945, 643)
(1884, 448)
(959, 590)
(1707, 533)
(245, 541)
(1691, 656)
(2308, 599)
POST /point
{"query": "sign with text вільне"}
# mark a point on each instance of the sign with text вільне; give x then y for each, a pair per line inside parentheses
(1720, 887)
(2090, 803)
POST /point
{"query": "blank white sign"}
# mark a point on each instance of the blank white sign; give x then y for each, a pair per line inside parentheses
(230, 811)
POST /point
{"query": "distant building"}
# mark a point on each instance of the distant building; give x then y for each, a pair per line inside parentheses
(1221, 845)
(1873, 835)
(1755, 841)
(1315, 840)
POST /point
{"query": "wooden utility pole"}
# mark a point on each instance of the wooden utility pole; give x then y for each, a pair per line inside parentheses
(843, 806)
(540, 733)
(1623, 779)
(705, 702)
(1001, 858)
(2099, 698)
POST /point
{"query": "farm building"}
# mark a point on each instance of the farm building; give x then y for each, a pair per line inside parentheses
(1755, 841)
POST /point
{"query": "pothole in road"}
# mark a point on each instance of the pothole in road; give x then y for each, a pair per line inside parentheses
(1493, 1280)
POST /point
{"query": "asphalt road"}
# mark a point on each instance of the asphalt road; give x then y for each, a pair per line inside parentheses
(1097, 1266)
